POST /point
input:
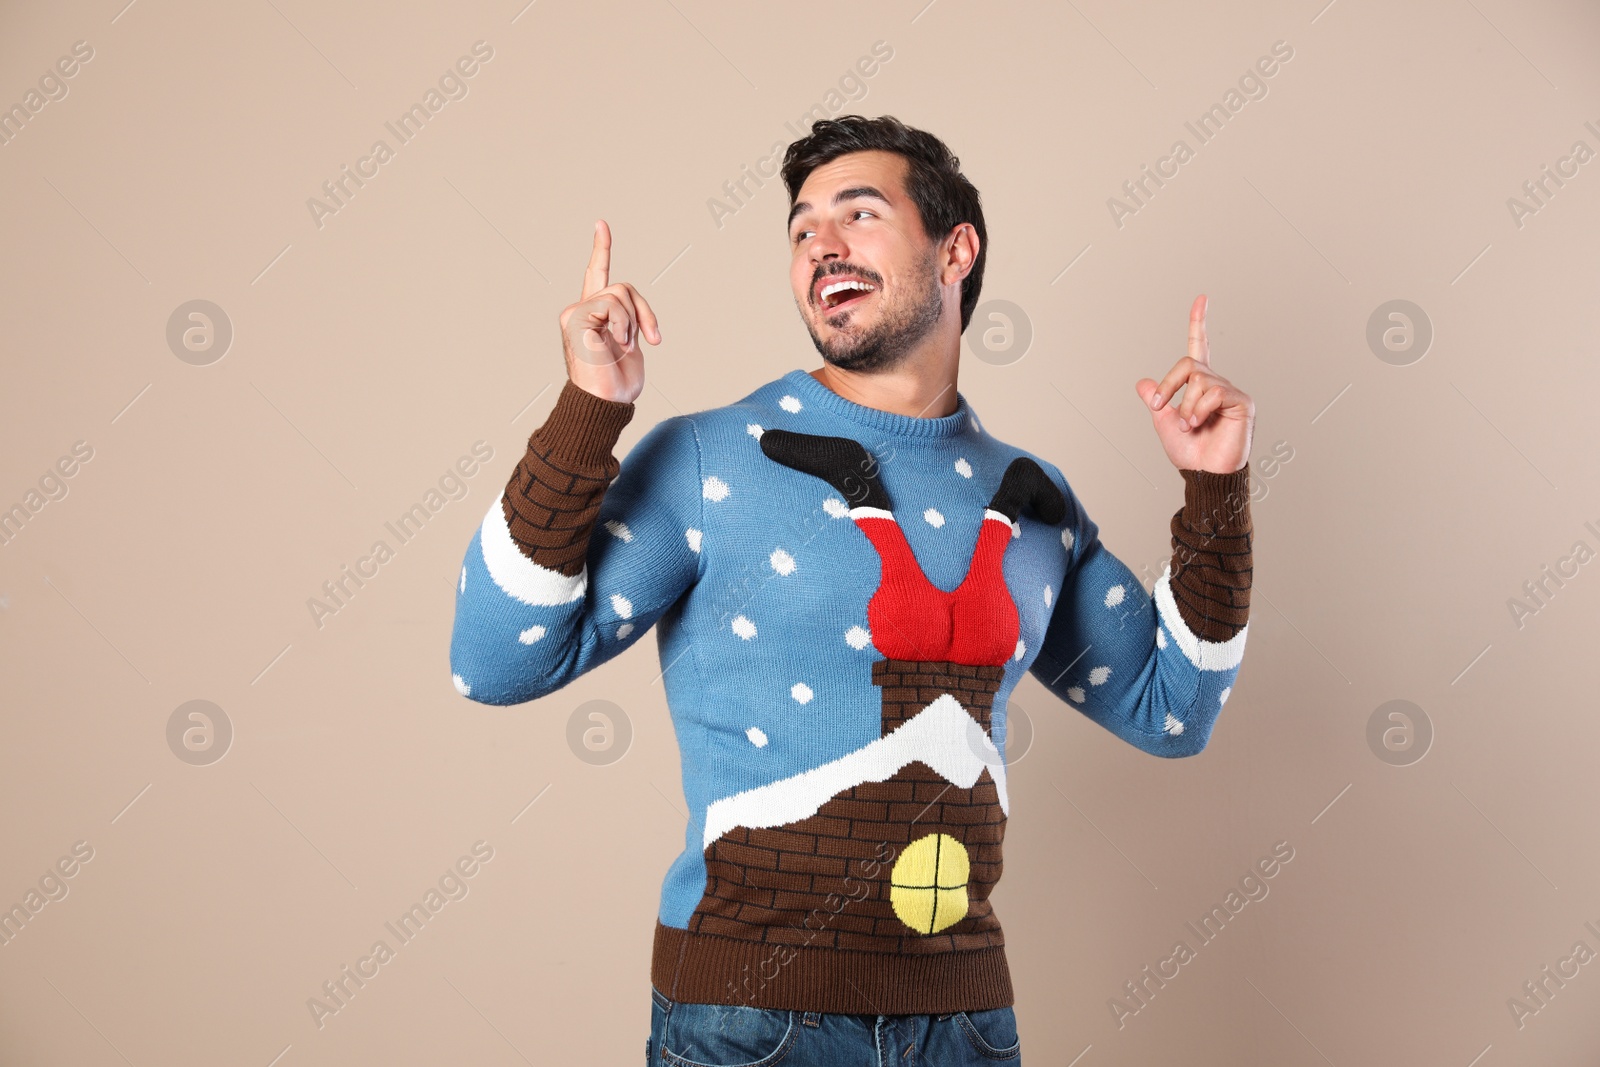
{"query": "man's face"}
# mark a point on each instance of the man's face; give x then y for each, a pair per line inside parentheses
(853, 223)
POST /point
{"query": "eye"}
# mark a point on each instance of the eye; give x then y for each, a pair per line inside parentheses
(800, 234)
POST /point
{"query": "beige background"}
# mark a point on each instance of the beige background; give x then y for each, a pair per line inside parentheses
(371, 352)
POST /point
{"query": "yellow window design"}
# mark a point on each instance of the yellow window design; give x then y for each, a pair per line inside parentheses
(928, 886)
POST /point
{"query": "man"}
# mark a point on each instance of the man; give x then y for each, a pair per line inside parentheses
(850, 574)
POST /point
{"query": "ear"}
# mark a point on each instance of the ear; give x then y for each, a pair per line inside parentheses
(957, 253)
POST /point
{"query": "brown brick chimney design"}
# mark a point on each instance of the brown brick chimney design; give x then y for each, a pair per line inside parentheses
(785, 884)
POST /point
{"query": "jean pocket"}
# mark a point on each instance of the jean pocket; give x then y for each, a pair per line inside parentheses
(726, 1035)
(658, 1024)
(992, 1033)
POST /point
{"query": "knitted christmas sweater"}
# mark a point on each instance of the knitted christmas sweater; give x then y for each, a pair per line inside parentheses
(843, 599)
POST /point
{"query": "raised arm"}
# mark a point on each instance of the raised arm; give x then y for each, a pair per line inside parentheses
(1155, 669)
(580, 554)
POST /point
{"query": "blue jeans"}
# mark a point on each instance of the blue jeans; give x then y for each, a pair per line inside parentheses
(721, 1035)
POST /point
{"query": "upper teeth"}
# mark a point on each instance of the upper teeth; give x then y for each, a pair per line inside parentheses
(834, 287)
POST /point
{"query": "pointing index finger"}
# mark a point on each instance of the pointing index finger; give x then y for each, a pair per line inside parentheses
(598, 274)
(1199, 346)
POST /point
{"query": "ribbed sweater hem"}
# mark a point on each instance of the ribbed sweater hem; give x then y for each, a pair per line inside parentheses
(582, 429)
(699, 968)
(1217, 504)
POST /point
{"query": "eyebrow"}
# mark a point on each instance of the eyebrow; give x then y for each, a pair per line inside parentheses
(840, 197)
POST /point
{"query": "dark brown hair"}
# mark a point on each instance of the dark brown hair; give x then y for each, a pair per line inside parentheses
(934, 182)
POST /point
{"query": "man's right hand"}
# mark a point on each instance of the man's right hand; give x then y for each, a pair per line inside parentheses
(600, 332)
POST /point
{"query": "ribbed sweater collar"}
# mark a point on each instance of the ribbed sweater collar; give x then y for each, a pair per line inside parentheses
(810, 391)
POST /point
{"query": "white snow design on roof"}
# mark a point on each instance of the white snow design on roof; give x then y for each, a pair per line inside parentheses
(517, 575)
(1206, 655)
(939, 735)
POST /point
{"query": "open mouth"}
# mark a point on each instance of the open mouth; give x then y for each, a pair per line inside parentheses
(835, 295)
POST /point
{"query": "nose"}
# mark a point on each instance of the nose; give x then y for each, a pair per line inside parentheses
(827, 243)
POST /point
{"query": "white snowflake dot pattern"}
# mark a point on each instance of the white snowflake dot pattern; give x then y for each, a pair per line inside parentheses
(757, 736)
(1021, 648)
(963, 468)
(835, 507)
(754, 430)
(781, 561)
(1047, 595)
(622, 605)
(714, 488)
(934, 518)
(743, 627)
(693, 537)
(624, 630)
(789, 403)
(531, 634)
(801, 692)
(857, 637)
(1173, 726)
(461, 685)
(463, 579)
(1066, 540)
(1222, 697)
(619, 530)
(1099, 675)
(1075, 694)
(1115, 595)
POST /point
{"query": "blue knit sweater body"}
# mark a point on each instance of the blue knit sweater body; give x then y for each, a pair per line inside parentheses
(841, 612)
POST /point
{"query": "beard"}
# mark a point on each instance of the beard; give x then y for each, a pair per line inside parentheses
(901, 325)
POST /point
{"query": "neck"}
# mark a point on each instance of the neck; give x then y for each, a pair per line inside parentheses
(922, 385)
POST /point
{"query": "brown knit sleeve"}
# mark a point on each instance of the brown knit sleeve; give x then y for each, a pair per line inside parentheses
(1211, 553)
(554, 495)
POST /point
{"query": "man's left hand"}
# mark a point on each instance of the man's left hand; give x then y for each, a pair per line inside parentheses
(1210, 429)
